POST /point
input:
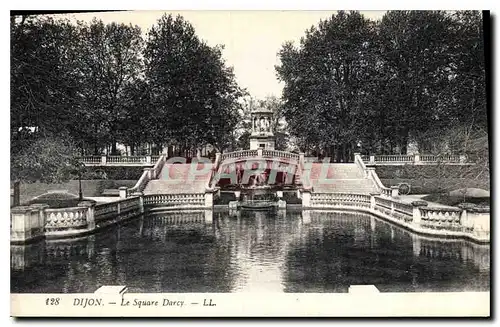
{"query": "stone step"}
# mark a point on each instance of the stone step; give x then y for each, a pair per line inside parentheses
(334, 171)
(179, 178)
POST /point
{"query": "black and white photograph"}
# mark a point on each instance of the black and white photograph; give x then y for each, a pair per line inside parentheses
(172, 163)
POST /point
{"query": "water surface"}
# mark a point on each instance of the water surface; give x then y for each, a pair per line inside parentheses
(205, 251)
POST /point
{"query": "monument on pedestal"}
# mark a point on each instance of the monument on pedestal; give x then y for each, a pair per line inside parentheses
(262, 132)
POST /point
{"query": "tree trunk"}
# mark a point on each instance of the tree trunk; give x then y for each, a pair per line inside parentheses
(113, 148)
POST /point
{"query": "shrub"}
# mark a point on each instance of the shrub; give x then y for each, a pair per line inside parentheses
(57, 200)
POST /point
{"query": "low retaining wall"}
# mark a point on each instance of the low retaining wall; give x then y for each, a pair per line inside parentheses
(30, 223)
(417, 217)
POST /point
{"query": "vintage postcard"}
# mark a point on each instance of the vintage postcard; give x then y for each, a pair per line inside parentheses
(250, 164)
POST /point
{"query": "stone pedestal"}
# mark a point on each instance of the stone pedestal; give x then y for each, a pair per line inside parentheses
(395, 192)
(372, 200)
(306, 217)
(149, 171)
(209, 198)
(281, 204)
(369, 172)
(21, 229)
(141, 200)
(417, 217)
(306, 198)
(40, 207)
(209, 216)
(279, 194)
(90, 213)
(123, 192)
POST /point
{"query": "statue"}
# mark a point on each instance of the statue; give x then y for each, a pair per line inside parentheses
(262, 126)
(268, 124)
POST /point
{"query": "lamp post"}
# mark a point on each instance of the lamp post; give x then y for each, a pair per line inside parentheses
(80, 193)
(79, 167)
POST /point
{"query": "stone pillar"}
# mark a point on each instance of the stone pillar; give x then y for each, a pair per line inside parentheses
(416, 158)
(394, 192)
(90, 213)
(306, 198)
(18, 257)
(417, 216)
(372, 159)
(237, 195)
(279, 194)
(38, 225)
(123, 192)
(148, 159)
(464, 219)
(417, 246)
(463, 158)
(209, 216)
(149, 172)
(372, 200)
(281, 204)
(299, 194)
(209, 198)
(103, 160)
(20, 230)
(259, 152)
(141, 200)
(217, 157)
(306, 217)
(301, 157)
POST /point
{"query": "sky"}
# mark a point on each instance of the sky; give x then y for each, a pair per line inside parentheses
(252, 39)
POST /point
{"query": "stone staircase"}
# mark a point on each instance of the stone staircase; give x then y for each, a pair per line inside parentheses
(177, 179)
(340, 178)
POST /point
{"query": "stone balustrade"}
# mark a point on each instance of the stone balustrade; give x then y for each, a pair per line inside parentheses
(39, 221)
(239, 154)
(415, 159)
(63, 219)
(417, 216)
(175, 200)
(92, 160)
(339, 199)
(105, 160)
(266, 153)
(280, 154)
(442, 218)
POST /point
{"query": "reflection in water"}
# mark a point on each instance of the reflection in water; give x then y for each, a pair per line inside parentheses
(242, 251)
